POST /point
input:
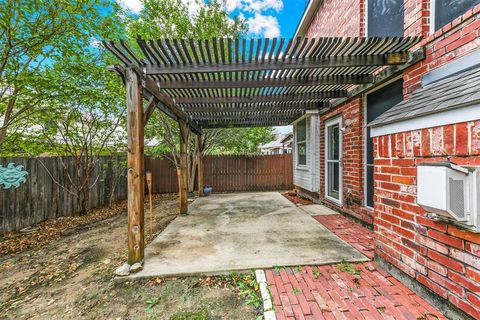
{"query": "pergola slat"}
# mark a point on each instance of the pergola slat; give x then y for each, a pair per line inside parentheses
(318, 96)
(307, 63)
(276, 82)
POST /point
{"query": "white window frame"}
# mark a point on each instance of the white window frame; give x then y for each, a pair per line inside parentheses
(329, 123)
(298, 165)
(366, 18)
(432, 16)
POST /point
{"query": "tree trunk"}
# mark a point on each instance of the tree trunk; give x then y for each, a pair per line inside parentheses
(8, 116)
(199, 157)
(193, 168)
(182, 173)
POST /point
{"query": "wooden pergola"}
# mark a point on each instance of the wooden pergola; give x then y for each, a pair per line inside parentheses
(219, 83)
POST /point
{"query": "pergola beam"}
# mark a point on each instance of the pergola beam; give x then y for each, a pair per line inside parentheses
(299, 64)
(244, 124)
(165, 103)
(318, 96)
(266, 82)
(251, 118)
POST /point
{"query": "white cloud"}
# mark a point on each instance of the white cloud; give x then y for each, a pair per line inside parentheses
(254, 5)
(193, 7)
(132, 5)
(231, 5)
(266, 26)
(262, 5)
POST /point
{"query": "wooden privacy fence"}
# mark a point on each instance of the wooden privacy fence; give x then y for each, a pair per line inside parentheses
(42, 196)
(245, 173)
(229, 173)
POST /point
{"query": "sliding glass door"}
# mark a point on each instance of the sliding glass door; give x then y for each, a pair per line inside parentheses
(333, 160)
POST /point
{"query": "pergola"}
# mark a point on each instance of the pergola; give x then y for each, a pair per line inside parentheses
(218, 83)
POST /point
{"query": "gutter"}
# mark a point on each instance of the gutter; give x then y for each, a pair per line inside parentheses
(307, 18)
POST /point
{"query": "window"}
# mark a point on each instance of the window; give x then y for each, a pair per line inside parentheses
(333, 160)
(378, 102)
(445, 11)
(302, 142)
(385, 18)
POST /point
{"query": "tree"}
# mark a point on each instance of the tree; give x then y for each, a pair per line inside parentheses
(172, 19)
(87, 123)
(37, 38)
(54, 87)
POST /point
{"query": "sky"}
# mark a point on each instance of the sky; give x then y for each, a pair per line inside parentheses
(265, 18)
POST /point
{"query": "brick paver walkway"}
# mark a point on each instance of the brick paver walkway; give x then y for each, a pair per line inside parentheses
(344, 291)
(356, 235)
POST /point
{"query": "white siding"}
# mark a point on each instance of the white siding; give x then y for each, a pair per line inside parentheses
(308, 176)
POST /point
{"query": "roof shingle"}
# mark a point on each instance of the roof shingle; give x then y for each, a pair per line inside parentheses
(452, 92)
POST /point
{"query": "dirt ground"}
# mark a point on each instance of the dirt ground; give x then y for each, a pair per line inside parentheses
(72, 278)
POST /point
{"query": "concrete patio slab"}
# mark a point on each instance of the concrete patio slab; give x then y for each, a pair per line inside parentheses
(318, 210)
(243, 231)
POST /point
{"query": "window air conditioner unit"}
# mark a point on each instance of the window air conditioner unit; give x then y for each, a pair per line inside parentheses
(450, 192)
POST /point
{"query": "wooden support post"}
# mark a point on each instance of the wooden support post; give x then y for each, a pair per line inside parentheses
(182, 170)
(135, 168)
(200, 164)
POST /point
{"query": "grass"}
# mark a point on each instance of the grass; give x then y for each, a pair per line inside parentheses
(316, 273)
(249, 289)
(202, 314)
(348, 268)
(296, 291)
(151, 304)
(277, 269)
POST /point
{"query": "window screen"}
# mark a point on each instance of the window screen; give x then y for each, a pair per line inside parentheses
(302, 142)
(448, 10)
(385, 18)
(377, 103)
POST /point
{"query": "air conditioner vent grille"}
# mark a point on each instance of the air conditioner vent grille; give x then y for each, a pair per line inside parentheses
(457, 197)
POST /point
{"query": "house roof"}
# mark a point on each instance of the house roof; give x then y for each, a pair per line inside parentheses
(286, 137)
(456, 91)
(278, 143)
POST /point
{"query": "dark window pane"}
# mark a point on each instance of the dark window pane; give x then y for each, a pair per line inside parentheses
(302, 130)
(379, 102)
(370, 186)
(385, 18)
(333, 150)
(302, 153)
(448, 10)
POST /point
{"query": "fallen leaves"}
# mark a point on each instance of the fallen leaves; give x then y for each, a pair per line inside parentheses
(295, 198)
(53, 229)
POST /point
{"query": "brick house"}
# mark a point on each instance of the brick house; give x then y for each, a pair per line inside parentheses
(361, 155)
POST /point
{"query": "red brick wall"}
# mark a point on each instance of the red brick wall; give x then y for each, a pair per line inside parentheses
(438, 255)
(353, 171)
(456, 39)
(338, 18)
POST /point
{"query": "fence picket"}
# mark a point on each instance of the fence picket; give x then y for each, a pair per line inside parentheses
(41, 198)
